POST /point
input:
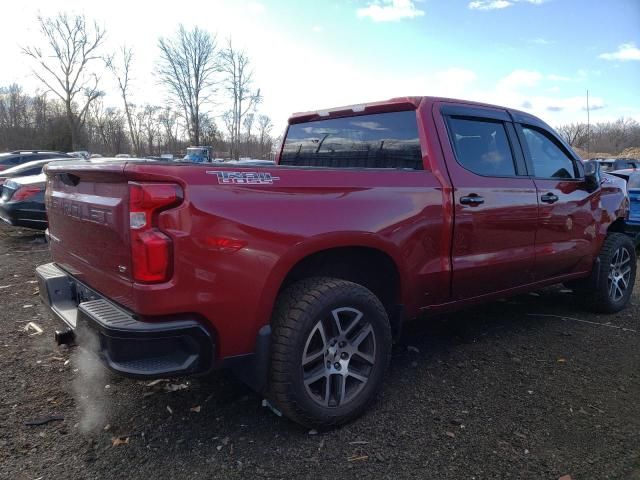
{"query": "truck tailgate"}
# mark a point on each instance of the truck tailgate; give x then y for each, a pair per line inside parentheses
(89, 225)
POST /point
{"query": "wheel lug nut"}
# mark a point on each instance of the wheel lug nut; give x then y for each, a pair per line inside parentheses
(328, 364)
(342, 344)
(344, 355)
(336, 366)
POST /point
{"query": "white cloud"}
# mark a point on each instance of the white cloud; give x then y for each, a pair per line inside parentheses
(390, 10)
(520, 78)
(369, 125)
(541, 41)
(559, 78)
(489, 4)
(454, 78)
(255, 8)
(625, 52)
(499, 4)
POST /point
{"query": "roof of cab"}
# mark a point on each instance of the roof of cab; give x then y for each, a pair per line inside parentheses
(396, 104)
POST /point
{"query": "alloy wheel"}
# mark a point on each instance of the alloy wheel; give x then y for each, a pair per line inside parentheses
(338, 357)
(619, 274)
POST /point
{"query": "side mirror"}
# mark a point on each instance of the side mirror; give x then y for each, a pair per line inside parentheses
(592, 175)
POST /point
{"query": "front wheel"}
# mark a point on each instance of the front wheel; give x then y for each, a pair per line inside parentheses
(614, 276)
(331, 346)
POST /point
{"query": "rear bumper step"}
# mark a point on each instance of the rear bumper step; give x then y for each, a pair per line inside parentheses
(125, 344)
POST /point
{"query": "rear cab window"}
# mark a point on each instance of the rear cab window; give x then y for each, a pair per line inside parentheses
(381, 140)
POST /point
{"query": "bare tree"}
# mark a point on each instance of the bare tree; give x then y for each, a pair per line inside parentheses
(63, 65)
(187, 68)
(247, 123)
(120, 67)
(575, 134)
(238, 82)
(168, 120)
(150, 126)
(108, 127)
(265, 125)
(210, 133)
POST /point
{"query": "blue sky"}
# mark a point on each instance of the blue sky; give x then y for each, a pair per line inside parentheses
(537, 55)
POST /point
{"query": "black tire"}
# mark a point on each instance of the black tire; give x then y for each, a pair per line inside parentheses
(308, 316)
(597, 289)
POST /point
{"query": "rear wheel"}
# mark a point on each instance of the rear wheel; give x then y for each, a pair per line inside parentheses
(331, 346)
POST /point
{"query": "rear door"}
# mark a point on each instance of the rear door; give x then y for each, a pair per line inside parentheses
(496, 206)
(566, 226)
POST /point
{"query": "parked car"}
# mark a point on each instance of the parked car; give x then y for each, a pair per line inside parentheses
(611, 164)
(26, 169)
(11, 159)
(297, 276)
(81, 154)
(633, 187)
(632, 177)
(22, 202)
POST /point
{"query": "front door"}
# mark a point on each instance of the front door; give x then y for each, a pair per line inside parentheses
(566, 226)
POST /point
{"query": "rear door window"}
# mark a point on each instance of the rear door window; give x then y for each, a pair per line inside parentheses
(10, 160)
(382, 140)
(32, 171)
(482, 146)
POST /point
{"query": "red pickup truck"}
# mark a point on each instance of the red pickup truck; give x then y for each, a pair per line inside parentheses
(298, 275)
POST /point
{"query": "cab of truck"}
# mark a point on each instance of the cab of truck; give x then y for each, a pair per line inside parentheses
(199, 154)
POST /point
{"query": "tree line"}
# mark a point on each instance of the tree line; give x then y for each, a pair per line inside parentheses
(612, 138)
(70, 112)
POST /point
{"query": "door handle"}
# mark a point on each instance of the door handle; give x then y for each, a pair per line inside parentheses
(473, 200)
(549, 198)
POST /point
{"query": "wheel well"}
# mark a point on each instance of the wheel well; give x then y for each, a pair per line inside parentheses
(366, 266)
(617, 226)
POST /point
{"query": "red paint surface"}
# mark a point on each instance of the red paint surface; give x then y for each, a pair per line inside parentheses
(233, 245)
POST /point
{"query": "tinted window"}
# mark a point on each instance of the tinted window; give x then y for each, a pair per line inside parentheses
(549, 160)
(10, 160)
(606, 166)
(626, 164)
(32, 171)
(482, 146)
(382, 140)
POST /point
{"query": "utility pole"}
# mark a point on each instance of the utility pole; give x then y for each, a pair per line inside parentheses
(588, 128)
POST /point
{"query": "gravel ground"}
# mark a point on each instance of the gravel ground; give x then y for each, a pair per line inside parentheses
(531, 388)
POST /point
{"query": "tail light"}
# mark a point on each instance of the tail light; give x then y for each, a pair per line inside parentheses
(151, 249)
(26, 192)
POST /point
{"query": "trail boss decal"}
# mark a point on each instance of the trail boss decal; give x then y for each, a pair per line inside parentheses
(245, 178)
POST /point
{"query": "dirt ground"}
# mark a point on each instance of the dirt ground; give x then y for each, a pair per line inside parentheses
(531, 388)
